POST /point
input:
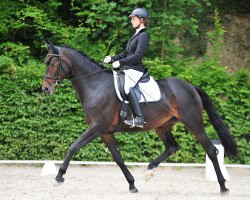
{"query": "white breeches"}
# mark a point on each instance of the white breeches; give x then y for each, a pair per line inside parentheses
(131, 79)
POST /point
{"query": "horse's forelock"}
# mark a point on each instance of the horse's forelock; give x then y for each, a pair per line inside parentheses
(48, 57)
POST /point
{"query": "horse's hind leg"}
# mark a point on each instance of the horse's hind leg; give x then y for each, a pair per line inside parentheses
(212, 154)
(193, 121)
(171, 146)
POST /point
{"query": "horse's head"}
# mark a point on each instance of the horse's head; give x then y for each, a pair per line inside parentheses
(56, 69)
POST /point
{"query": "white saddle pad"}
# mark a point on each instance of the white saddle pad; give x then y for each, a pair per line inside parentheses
(150, 90)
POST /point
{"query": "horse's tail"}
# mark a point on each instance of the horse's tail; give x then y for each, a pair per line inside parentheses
(226, 138)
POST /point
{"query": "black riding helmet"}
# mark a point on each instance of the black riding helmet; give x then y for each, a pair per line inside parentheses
(139, 12)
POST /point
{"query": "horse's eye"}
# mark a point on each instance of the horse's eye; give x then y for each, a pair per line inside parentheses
(52, 64)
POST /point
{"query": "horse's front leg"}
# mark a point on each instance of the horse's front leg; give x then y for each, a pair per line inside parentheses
(85, 138)
(111, 143)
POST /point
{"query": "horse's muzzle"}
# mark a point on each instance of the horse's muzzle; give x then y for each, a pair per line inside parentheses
(48, 89)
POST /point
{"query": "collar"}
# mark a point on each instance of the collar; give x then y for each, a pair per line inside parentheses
(138, 30)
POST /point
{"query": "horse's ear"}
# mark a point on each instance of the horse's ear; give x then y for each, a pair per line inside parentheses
(51, 46)
(46, 41)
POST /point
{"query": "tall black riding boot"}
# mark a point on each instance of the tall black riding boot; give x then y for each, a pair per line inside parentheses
(138, 121)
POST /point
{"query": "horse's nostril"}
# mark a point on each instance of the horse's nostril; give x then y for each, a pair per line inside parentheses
(45, 89)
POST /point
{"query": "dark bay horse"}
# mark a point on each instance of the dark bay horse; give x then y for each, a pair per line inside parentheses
(180, 102)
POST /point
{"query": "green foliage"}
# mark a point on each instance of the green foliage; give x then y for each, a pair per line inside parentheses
(104, 25)
(18, 52)
(216, 36)
(5, 63)
(36, 126)
(176, 25)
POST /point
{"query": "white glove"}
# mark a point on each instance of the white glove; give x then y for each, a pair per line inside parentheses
(116, 64)
(107, 59)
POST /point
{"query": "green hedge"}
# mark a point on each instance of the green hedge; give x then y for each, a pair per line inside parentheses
(37, 126)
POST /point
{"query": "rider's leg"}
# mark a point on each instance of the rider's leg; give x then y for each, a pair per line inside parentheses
(131, 79)
(138, 121)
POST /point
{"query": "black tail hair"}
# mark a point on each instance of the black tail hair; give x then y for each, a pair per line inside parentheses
(226, 138)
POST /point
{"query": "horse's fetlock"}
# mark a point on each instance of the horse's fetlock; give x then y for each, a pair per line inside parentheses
(132, 182)
(221, 181)
(62, 171)
(212, 151)
(151, 166)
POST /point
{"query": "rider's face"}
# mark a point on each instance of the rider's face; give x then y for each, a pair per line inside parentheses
(135, 21)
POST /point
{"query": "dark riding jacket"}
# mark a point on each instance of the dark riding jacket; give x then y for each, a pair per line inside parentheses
(136, 47)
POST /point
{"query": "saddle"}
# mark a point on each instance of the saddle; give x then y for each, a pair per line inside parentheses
(147, 89)
(121, 82)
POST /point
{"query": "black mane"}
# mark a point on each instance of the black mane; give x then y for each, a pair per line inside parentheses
(85, 56)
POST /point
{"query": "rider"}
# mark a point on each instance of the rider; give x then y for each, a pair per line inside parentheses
(131, 62)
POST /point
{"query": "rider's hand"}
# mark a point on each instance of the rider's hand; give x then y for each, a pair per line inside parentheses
(116, 64)
(107, 59)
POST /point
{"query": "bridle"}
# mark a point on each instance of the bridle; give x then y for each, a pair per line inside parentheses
(60, 69)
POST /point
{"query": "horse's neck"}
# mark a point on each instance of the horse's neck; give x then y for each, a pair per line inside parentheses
(90, 89)
(88, 79)
(84, 67)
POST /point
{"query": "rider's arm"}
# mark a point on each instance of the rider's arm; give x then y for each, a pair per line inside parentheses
(119, 57)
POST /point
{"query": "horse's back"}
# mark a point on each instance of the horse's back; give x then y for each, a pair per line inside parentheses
(174, 84)
(179, 89)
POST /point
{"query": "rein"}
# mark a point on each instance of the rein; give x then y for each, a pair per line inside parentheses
(88, 75)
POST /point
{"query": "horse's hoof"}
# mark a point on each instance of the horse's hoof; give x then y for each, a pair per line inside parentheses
(149, 174)
(58, 182)
(134, 190)
(224, 191)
